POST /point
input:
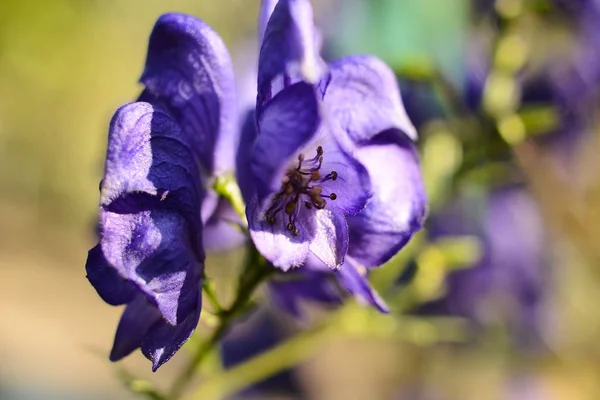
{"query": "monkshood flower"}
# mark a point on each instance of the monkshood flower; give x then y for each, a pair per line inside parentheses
(150, 254)
(154, 207)
(189, 75)
(506, 285)
(333, 176)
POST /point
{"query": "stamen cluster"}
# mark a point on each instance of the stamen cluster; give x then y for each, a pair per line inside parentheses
(302, 184)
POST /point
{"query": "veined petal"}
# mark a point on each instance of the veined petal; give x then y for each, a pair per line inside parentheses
(189, 71)
(330, 242)
(149, 164)
(397, 209)
(289, 48)
(363, 99)
(137, 319)
(163, 339)
(152, 249)
(289, 121)
(357, 283)
(150, 224)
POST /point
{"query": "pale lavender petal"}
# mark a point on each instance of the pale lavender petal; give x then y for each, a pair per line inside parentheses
(274, 241)
(397, 209)
(363, 99)
(188, 71)
(330, 242)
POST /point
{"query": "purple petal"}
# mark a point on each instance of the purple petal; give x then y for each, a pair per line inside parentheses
(274, 241)
(164, 340)
(398, 206)
(188, 71)
(288, 122)
(293, 289)
(363, 98)
(352, 185)
(152, 249)
(358, 285)
(149, 164)
(266, 9)
(112, 287)
(289, 47)
(244, 154)
(137, 319)
(330, 242)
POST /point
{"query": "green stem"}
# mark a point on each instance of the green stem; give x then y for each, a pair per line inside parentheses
(295, 350)
(255, 272)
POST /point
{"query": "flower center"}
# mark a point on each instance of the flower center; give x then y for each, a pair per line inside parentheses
(301, 185)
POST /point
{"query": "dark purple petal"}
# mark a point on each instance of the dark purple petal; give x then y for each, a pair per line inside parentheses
(137, 319)
(288, 123)
(363, 99)
(398, 206)
(289, 48)
(243, 172)
(163, 339)
(330, 241)
(188, 71)
(358, 285)
(290, 291)
(112, 287)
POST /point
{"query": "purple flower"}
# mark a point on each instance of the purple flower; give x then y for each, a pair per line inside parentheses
(506, 285)
(305, 178)
(162, 153)
(188, 74)
(150, 253)
(335, 178)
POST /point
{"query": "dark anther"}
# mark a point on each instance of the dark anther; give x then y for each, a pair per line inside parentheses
(333, 196)
(333, 175)
(271, 219)
(290, 227)
(320, 150)
(300, 157)
(308, 205)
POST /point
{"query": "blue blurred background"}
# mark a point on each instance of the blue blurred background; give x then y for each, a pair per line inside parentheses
(496, 299)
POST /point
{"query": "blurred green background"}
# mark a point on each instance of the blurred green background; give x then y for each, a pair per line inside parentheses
(66, 65)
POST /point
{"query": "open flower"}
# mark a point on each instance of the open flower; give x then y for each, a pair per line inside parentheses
(359, 136)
